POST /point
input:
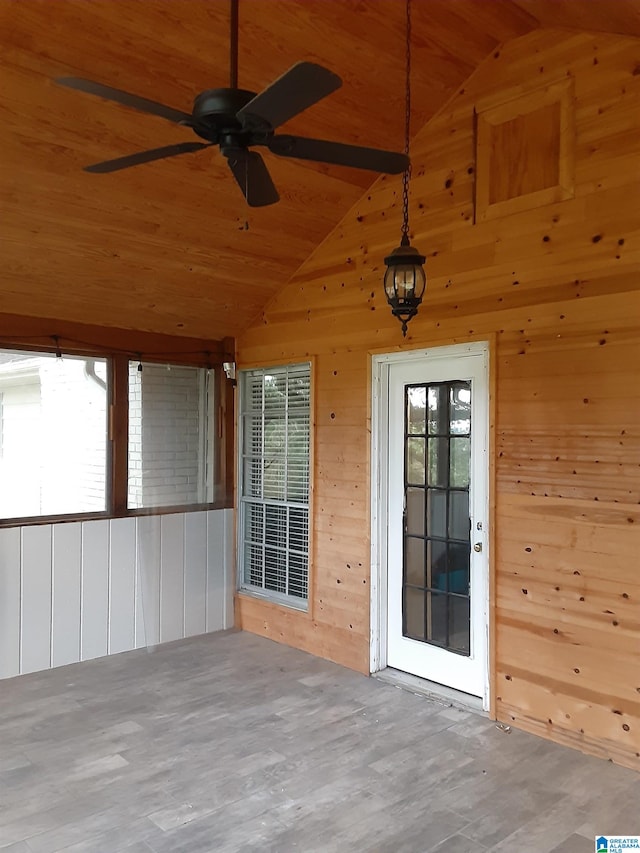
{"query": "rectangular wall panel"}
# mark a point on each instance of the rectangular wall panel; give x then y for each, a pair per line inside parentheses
(9, 602)
(122, 586)
(195, 571)
(229, 568)
(36, 598)
(80, 590)
(171, 578)
(215, 572)
(66, 576)
(95, 588)
(148, 581)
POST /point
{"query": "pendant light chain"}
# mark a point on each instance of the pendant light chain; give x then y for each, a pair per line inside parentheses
(407, 126)
(405, 279)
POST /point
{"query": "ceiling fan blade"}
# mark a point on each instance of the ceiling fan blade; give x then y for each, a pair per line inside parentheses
(303, 85)
(253, 178)
(324, 151)
(146, 157)
(125, 98)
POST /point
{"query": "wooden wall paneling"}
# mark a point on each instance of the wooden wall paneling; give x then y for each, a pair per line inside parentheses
(122, 584)
(284, 625)
(172, 569)
(35, 613)
(148, 581)
(95, 588)
(10, 586)
(555, 286)
(195, 573)
(66, 579)
(537, 128)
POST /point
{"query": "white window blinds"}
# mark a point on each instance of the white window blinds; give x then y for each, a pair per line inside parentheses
(274, 482)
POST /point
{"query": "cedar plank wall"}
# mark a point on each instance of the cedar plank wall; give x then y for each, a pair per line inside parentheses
(554, 286)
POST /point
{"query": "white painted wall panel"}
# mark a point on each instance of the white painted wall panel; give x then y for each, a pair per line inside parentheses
(215, 572)
(148, 572)
(195, 571)
(84, 589)
(66, 577)
(229, 567)
(95, 588)
(9, 602)
(171, 578)
(35, 634)
(122, 584)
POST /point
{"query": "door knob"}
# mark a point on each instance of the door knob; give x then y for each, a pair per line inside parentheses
(478, 547)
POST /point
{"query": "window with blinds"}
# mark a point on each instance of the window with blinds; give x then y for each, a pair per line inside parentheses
(274, 482)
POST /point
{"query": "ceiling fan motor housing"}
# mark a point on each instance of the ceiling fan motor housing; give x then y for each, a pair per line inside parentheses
(214, 113)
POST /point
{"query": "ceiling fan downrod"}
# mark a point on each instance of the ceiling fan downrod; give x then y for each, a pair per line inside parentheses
(233, 45)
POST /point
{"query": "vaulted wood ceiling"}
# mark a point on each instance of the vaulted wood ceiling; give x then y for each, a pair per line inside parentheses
(171, 246)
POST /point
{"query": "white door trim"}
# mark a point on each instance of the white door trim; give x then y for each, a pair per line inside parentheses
(379, 450)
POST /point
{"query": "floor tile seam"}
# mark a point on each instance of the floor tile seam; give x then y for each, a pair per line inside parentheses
(97, 837)
(525, 824)
(478, 846)
(91, 816)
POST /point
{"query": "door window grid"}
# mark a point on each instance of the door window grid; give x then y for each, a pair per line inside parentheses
(274, 483)
(437, 428)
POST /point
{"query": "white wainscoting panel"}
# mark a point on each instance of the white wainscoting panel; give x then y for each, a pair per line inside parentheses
(67, 585)
(78, 590)
(10, 590)
(148, 572)
(122, 586)
(95, 589)
(35, 621)
(195, 574)
(171, 577)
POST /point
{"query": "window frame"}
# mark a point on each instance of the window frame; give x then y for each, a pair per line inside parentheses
(117, 426)
(290, 601)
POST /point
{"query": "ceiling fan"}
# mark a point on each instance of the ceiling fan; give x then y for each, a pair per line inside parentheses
(236, 120)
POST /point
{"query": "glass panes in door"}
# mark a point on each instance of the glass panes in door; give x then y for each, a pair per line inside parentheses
(436, 546)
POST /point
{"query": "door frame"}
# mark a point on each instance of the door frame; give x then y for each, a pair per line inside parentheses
(380, 364)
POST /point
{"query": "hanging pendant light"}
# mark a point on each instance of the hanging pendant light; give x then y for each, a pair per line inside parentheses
(405, 280)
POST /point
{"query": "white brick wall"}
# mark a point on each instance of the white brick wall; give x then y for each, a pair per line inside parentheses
(166, 424)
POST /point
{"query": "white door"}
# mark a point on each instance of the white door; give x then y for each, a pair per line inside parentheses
(437, 507)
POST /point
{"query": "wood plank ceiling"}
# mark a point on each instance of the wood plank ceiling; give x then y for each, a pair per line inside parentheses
(171, 246)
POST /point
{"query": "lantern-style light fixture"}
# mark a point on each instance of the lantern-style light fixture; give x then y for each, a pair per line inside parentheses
(405, 279)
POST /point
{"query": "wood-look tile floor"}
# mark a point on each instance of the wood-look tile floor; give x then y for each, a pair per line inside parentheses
(230, 742)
